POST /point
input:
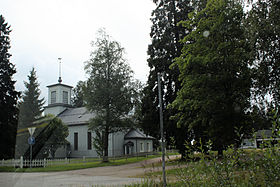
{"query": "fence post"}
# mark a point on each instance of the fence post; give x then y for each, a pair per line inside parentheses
(84, 158)
(65, 160)
(44, 162)
(21, 162)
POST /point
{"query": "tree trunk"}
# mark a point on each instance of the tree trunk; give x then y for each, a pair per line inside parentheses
(106, 143)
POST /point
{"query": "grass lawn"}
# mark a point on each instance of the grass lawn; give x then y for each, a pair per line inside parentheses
(80, 165)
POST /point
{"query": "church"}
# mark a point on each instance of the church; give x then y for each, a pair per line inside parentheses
(80, 137)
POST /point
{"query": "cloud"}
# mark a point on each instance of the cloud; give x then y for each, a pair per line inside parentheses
(46, 30)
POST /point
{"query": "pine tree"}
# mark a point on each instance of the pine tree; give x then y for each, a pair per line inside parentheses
(31, 106)
(8, 95)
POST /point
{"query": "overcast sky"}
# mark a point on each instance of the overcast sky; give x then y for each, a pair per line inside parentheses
(43, 31)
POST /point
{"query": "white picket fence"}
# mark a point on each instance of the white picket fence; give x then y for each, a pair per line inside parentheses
(21, 163)
(34, 163)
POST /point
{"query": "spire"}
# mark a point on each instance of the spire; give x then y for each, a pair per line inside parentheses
(59, 78)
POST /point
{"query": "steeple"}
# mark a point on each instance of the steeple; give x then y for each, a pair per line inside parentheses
(59, 96)
(59, 78)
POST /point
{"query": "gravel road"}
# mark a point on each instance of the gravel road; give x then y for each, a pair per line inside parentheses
(100, 176)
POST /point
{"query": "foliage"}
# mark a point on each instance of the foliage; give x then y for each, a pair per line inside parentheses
(98, 143)
(137, 96)
(8, 95)
(78, 95)
(215, 74)
(232, 171)
(31, 107)
(165, 36)
(238, 167)
(109, 89)
(264, 33)
(57, 138)
(49, 138)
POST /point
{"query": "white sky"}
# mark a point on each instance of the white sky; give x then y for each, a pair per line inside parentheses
(44, 30)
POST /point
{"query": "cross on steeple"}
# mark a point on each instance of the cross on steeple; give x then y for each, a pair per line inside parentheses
(59, 78)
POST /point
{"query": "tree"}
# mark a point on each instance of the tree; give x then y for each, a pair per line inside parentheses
(264, 34)
(57, 138)
(78, 95)
(8, 95)
(50, 134)
(31, 107)
(165, 47)
(98, 143)
(109, 89)
(215, 74)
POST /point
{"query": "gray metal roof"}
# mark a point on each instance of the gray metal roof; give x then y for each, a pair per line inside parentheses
(76, 116)
(59, 84)
(136, 134)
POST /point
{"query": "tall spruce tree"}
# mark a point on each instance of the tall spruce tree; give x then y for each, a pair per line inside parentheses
(109, 90)
(30, 109)
(215, 74)
(166, 35)
(8, 95)
(31, 106)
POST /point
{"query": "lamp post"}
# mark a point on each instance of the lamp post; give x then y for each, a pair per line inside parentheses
(161, 129)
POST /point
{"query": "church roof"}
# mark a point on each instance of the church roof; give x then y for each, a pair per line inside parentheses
(136, 134)
(59, 84)
(76, 116)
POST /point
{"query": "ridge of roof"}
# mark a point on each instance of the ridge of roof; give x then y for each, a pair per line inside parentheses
(59, 84)
(136, 134)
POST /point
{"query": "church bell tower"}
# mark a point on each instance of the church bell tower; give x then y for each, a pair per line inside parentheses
(59, 96)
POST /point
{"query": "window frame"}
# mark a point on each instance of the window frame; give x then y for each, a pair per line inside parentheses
(76, 141)
(65, 99)
(142, 149)
(89, 140)
(53, 97)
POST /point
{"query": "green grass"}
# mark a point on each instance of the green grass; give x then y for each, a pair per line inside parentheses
(80, 165)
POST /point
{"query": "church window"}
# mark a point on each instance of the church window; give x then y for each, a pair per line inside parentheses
(75, 141)
(141, 147)
(89, 140)
(53, 97)
(65, 97)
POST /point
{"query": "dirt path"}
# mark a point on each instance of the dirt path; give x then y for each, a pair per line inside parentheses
(123, 171)
(100, 176)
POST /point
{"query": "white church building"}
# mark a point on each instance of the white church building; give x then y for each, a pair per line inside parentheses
(80, 137)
